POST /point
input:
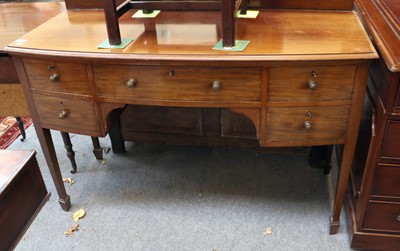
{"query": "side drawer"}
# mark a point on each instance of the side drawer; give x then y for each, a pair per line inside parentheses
(303, 84)
(387, 181)
(384, 216)
(178, 83)
(391, 141)
(307, 124)
(69, 115)
(57, 77)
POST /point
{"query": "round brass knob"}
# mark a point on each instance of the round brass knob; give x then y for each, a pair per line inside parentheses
(54, 77)
(307, 125)
(63, 114)
(398, 218)
(131, 83)
(312, 85)
(216, 85)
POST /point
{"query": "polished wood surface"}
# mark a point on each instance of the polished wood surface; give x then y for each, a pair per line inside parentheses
(190, 36)
(382, 22)
(16, 19)
(22, 195)
(173, 61)
(263, 4)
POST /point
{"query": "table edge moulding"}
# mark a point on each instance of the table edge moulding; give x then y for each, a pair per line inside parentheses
(288, 81)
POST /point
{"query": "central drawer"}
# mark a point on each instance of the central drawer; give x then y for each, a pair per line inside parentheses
(156, 83)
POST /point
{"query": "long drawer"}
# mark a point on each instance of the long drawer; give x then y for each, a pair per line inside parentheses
(57, 77)
(384, 216)
(307, 124)
(310, 83)
(67, 114)
(159, 83)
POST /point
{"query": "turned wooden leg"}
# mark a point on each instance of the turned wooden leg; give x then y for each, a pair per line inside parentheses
(70, 151)
(21, 127)
(97, 150)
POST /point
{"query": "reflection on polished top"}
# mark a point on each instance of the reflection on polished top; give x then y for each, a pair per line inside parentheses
(16, 19)
(297, 35)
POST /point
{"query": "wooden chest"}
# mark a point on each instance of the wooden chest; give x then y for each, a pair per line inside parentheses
(22, 195)
(374, 195)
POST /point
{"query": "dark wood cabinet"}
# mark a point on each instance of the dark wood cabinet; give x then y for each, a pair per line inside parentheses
(374, 194)
(22, 195)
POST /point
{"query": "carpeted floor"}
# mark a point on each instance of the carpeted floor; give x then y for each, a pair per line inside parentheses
(9, 130)
(158, 197)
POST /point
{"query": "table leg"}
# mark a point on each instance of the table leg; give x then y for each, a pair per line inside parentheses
(46, 142)
(117, 142)
(343, 177)
(97, 150)
(70, 151)
(21, 127)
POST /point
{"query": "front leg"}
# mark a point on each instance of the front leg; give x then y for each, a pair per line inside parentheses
(49, 152)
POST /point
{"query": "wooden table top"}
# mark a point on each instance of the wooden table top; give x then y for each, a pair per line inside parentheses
(274, 35)
(16, 19)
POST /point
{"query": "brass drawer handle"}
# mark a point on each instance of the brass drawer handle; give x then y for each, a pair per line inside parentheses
(54, 77)
(63, 114)
(216, 85)
(308, 125)
(312, 85)
(131, 83)
(398, 217)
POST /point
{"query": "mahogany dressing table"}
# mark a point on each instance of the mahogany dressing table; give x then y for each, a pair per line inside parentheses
(300, 81)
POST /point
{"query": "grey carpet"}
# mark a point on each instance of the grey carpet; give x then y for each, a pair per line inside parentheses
(159, 197)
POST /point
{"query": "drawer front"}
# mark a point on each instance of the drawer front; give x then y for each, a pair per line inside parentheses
(391, 141)
(387, 181)
(57, 77)
(70, 115)
(178, 83)
(320, 83)
(307, 124)
(383, 216)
